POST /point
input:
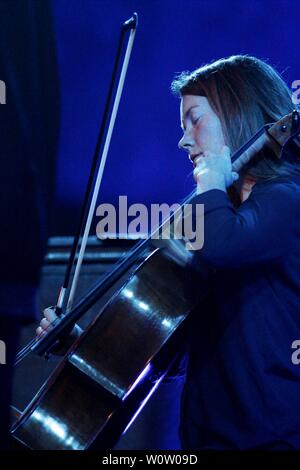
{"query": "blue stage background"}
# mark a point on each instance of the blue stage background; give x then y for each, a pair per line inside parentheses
(144, 162)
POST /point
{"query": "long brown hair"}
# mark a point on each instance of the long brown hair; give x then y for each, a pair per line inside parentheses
(245, 93)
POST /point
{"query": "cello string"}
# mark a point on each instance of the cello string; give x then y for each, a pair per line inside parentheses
(22, 353)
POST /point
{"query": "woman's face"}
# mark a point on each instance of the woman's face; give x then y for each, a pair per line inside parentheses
(201, 127)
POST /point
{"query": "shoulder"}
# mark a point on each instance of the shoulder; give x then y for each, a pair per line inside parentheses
(282, 193)
(281, 186)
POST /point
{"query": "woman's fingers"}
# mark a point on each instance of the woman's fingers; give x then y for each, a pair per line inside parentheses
(50, 314)
(214, 171)
(40, 332)
(226, 151)
(46, 324)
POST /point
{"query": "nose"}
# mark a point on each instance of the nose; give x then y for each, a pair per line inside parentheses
(185, 143)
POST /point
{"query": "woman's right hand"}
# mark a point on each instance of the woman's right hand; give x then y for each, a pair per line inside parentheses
(46, 324)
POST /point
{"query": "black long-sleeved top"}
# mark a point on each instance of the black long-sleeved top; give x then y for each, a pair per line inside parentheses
(242, 389)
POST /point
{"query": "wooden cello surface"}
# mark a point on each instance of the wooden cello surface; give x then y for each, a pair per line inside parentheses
(117, 362)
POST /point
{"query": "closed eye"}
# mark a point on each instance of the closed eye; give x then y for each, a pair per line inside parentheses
(195, 120)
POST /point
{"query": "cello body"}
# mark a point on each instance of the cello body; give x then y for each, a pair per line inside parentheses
(115, 365)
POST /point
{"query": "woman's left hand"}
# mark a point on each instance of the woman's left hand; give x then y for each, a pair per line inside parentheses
(214, 171)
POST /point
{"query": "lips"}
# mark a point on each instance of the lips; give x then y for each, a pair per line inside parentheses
(192, 158)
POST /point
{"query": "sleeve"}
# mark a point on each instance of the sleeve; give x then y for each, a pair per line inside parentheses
(265, 227)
